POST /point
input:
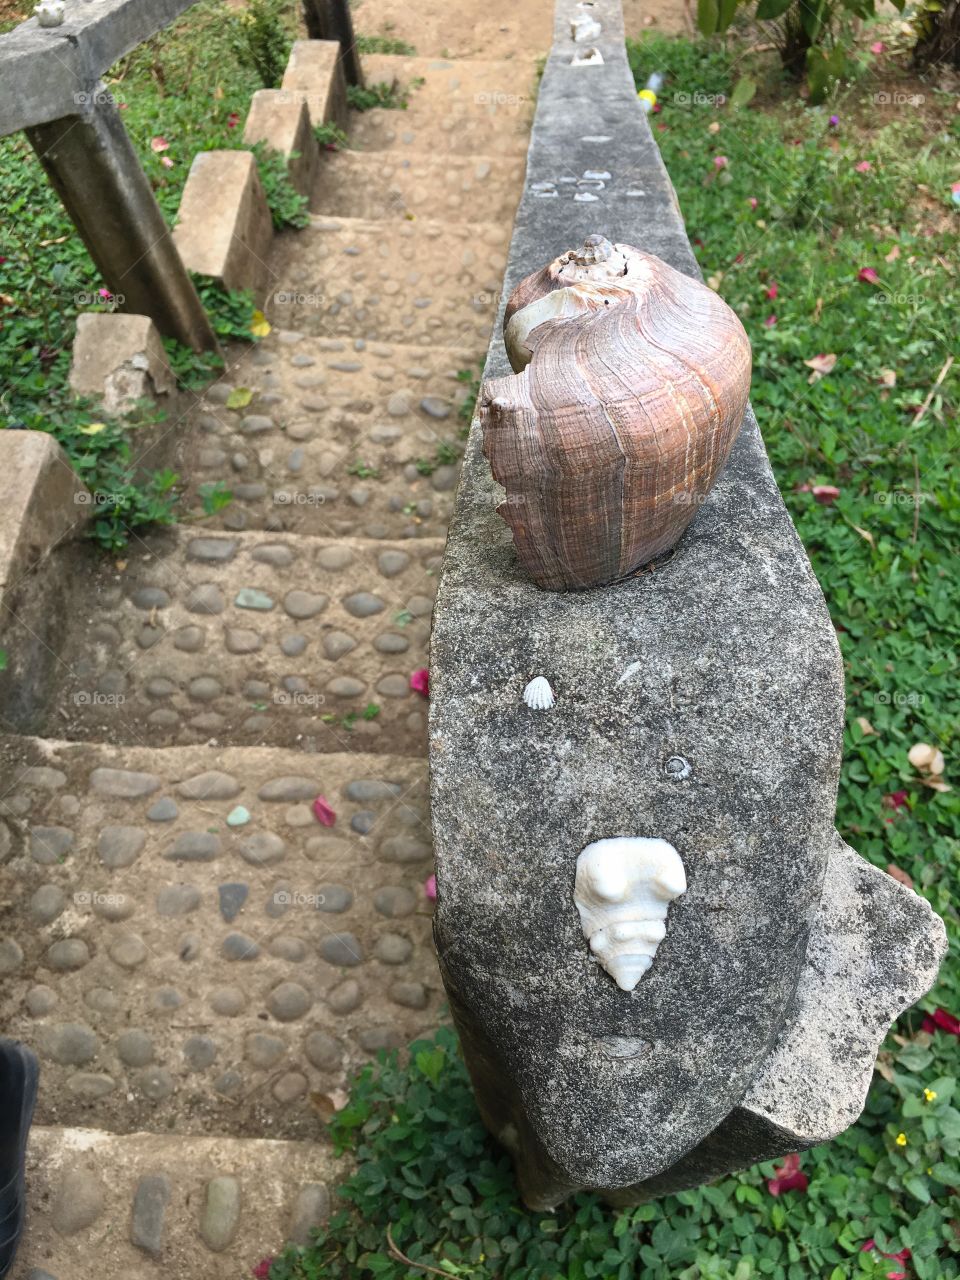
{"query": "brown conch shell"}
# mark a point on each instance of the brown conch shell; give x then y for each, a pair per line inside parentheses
(630, 387)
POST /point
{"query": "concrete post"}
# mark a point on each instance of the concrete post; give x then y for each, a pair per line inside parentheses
(331, 20)
(95, 170)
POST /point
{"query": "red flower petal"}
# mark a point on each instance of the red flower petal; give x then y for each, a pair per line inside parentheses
(946, 1022)
(773, 290)
(788, 1177)
(323, 813)
(420, 681)
(867, 275)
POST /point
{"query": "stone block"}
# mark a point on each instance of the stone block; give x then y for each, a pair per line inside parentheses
(314, 74)
(42, 502)
(282, 123)
(119, 359)
(701, 704)
(224, 229)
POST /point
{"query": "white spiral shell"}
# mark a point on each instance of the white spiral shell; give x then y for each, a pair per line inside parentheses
(624, 887)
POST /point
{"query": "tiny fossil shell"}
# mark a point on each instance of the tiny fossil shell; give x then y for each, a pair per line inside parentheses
(538, 694)
(623, 889)
(631, 384)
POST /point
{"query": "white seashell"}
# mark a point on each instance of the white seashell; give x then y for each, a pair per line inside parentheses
(538, 694)
(583, 27)
(49, 13)
(623, 889)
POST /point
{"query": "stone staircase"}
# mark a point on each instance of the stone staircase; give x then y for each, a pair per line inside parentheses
(220, 835)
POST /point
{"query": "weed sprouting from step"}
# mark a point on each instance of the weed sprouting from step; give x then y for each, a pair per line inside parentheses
(390, 96)
(471, 378)
(364, 470)
(330, 137)
(445, 455)
(385, 44)
(288, 207)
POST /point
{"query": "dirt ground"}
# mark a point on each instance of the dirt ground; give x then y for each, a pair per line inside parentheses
(497, 29)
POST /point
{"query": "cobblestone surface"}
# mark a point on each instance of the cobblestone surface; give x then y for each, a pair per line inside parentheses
(226, 962)
(343, 436)
(250, 638)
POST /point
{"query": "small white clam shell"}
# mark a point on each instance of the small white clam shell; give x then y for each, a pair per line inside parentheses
(538, 695)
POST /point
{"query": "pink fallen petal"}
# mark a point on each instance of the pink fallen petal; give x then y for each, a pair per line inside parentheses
(720, 162)
(788, 1177)
(104, 293)
(867, 275)
(159, 144)
(896, 800)
(944, 1021)
(166, 162)
(868, 1245)
(770, 322)
(233, 119)
(825, 494)
(262, 1270)
(430, 888)
(323, 813)
(420, 681)
(863, 167)
(752, 202)
(878, 47)
(773, 291)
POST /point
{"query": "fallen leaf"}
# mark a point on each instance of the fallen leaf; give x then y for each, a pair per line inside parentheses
(259, 325)
(714, 126)
(821, 366)
(893, 255)
(899, 874)
(239, 398)
(92, 428)
(888, 378)
(865, 534)
(866, 728)
(817, 310)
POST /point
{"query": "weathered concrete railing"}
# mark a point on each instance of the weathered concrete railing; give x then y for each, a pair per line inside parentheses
(700, 704)
(50, 87)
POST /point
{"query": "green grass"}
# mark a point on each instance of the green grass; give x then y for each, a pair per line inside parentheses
(425, 1169)
(185, 90)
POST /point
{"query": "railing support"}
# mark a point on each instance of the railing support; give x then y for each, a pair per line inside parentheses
(95, 170)
(331, 20)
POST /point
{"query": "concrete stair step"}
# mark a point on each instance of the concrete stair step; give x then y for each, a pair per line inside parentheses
(135, 1205)
(419, 282)
(483, 107)
(461, 188)
(174, 970)
(343, 438)
(255, 637)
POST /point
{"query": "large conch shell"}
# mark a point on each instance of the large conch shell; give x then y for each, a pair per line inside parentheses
(630, 388)
(624, 887)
